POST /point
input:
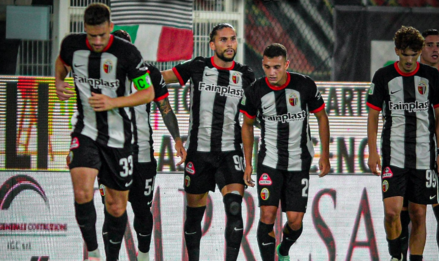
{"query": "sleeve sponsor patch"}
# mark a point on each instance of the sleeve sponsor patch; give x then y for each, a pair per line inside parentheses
(142, 82)
(371, 87)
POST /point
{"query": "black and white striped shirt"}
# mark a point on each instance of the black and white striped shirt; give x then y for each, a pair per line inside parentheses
(215, 94)
(283, 112)
(108, 72)
(407, 102)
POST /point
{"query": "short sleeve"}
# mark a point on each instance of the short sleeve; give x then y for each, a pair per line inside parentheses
(315, 102)
(247, 105)
(375, 94)
(183, 71)
(65, 52)
(160, 89)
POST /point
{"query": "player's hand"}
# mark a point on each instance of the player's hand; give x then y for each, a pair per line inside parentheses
(324, 166)
(181, 151)
(100, 102)
(63, 90)
(374, 162)
(248, 176)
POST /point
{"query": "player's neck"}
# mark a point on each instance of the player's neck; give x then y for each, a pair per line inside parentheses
(221, 63)
(435, 65)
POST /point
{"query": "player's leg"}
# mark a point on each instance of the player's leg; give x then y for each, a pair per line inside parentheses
(405, 221)
(199, 179)
(394, 187)
(229, 178)
(294, 201)
(436, 214)
(269, 184)
(419, 232)
(116, 174)
(141, 196)
(84, 162)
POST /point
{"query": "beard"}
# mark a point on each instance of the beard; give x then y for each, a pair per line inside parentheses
(226, 59)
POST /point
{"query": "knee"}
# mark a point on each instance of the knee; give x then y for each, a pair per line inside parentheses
(114, 207)
(391, 215)
(295, 225)
(267, 217)
(417, 215)
(232, 203)
(83, 195)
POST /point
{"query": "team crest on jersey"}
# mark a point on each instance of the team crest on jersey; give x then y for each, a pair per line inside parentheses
(75, 143)
(293, 99)
(265, 180)
(108, 66)
(69, 158)
(387, 173)
(190, 168)
(187, 181)
(385, 185)
(265, 193)
(102, 190)
(422, 87)
(236, 78)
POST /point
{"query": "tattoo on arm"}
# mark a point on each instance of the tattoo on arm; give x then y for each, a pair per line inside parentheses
(169, 117)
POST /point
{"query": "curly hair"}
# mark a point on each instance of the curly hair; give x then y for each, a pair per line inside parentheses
(408, 37)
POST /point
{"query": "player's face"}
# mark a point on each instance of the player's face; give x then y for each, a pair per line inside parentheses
(407, 59)
(225, 44)
(275, 69)
(430, 51)
(98, 35)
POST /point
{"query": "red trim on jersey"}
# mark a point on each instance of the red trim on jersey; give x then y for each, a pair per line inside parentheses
(436, 105)
(110, 42)
(276, 88)
(248, 115)
(63, 61)
(318, 109)
(221, 68)
(161, 97)
(370, 105)
(406, 74)
(178, 76)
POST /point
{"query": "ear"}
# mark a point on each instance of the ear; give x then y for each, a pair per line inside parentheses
(287, 64)
(111, 26)
(396, 51)
(212, 46)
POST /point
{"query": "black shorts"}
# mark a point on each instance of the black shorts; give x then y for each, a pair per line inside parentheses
(115, 165)
(290, 187)
(204, 169)
(417, 186)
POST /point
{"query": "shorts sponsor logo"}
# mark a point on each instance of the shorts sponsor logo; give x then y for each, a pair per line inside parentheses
(385, 185)
(190, 168)
(108, 66)
(74, 144)
(265, 194)
(102, 190)
(265, 180)
(69, 158)
(187, 181)
(387, 173)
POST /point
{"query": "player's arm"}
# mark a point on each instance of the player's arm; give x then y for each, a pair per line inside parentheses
(171, 123)
(169, 76)
(436, 111)
(322, 119)
(62, 87)
(372, 133)
(247, 133)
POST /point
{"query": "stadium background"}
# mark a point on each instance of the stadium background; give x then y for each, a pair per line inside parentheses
(338, 43)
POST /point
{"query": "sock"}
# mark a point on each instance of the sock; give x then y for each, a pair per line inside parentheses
(395, 247)
(234, 225)
(143, 223)
(192, 231)
(289, 237)
(415, 257)
(405, 221)
(86, 218)
(265, 241)
(116, 229)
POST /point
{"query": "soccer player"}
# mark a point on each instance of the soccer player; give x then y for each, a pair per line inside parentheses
(407, 94)
(214, 153)
(429, 56)
(145, 165)
(282, 101)
(102, 66)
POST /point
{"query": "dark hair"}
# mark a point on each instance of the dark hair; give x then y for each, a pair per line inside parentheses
(275, 50)
(408, 37)
(430, 32)
(97, 14)
(122, 34)
(219, 27)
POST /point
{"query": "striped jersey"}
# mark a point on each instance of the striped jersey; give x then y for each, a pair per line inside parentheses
(108, 72)
(407, 102)
(283, 112)
(142, 128)
(215, 93)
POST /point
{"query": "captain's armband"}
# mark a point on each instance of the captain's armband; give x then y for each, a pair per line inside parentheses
(142, 82)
